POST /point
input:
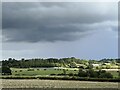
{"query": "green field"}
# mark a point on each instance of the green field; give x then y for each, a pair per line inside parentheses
(49, 71)
(39, 71)
(51, 83)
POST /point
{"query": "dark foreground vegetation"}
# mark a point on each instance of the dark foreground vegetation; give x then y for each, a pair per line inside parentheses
(63, 78)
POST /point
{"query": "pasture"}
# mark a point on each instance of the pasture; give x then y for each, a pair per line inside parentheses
(50, 71)
(41, 71)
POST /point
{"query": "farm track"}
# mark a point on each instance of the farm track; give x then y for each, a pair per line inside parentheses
(10, 84)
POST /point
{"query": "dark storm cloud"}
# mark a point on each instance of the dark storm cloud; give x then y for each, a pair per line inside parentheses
(34, 22)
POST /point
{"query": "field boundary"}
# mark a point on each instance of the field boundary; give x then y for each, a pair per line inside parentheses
(60, 88)
(63, 78)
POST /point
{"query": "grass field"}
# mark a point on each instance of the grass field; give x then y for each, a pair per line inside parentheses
(38, 71)
(35, 83)
(38, 83)
(49, 71)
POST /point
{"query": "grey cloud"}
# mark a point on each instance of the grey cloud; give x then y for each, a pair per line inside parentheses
(34, 22)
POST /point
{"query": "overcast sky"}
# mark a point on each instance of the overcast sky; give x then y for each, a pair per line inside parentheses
(42, 30)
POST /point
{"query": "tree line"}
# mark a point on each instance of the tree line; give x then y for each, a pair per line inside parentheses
(50, 62)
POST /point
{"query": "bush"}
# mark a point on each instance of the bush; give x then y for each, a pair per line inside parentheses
(92, 73)
(81, 67)
(30, 69)
(52, 74)
(44, 69)
(17, 74)
(60, 74)
(82, 73)
(71, 74)
(101, 71)
(105, 75)
(20, 70)
(38, 69)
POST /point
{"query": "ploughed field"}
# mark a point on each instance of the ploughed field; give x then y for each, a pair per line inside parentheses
(37, 83)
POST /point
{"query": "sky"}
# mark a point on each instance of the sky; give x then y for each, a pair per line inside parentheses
(85, 30)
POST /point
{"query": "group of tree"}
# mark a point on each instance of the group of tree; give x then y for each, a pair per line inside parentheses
(50, 62)
(5, 70)
(94, 74)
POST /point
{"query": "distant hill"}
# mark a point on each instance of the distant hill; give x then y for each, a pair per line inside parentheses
(54, 62)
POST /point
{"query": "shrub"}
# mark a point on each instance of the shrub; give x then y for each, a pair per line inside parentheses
(17, 74)
(30, 69)
(52, 74)
(101, 71)
(71, 74)
(106, 75)
(20, 70)
(60, 74)
(82, 73)
(92, 73)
